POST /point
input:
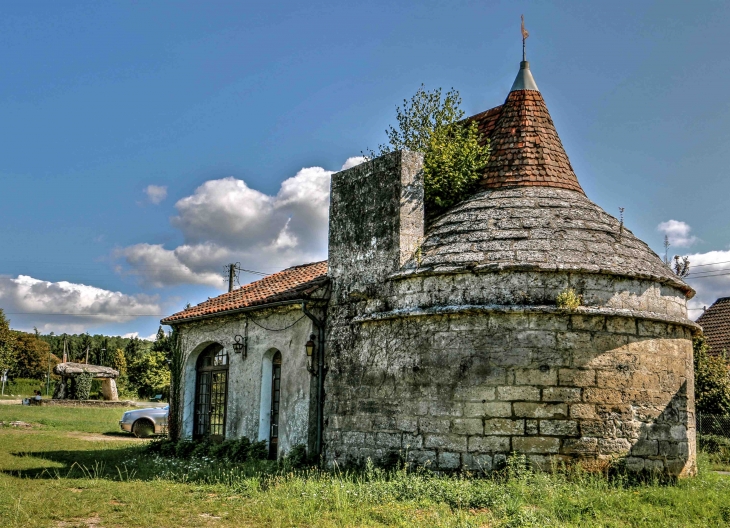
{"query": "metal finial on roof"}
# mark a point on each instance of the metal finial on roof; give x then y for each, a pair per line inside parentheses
(524, 80)
(525, 34)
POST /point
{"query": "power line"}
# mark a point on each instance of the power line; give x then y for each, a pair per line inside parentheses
(711, 264)
(86, 314)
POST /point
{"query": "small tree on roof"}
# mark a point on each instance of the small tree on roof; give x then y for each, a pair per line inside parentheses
(453, 156)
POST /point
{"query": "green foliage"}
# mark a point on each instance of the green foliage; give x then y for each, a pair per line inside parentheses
(82, 386)
(176, 381)
(568, 299)
(31, 357)
(712, 383)
(452, 165)
(297, 457)
(238, 450)
(149, 372)
(453, 157)
(7, 344)
(25, 387)
(117, 361)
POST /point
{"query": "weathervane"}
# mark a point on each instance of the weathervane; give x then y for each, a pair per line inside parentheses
(525, 34)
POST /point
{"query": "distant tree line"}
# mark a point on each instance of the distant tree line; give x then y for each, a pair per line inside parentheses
(143, 365)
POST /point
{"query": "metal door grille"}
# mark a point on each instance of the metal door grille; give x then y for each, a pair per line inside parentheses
(275, 400)
(211, 393)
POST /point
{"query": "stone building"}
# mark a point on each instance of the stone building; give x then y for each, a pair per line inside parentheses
(443, 342)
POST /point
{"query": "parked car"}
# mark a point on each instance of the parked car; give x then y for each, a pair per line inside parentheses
(145, 422)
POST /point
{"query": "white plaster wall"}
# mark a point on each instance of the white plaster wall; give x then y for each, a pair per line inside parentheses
(247, 414)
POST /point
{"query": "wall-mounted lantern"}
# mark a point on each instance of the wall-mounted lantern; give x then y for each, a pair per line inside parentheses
(309, 347)
(240, 346)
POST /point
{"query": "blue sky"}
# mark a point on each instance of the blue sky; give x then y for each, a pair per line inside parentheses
(219, 106)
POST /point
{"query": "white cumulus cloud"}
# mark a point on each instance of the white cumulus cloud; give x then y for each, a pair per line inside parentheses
(678, 233)
(710, 277)
(131, 335)
(225, 221)
(352, 162)
(73, 306)
(156, 193)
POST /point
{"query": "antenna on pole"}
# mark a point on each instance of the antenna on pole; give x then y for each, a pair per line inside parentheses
(525, 34)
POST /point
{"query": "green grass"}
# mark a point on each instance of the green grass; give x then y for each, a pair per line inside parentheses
(74, 469)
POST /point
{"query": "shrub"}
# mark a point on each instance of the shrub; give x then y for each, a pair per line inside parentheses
(297, 457)
(184, 448)
(258, 451)
(82, 386)
(712, 382)
(568, 299)
(239, 450)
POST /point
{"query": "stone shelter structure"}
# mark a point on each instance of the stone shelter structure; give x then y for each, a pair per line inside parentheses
(71, 370)
(715, 323)
(443, 342)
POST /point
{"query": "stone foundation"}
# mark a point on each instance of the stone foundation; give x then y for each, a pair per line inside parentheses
(464, 391)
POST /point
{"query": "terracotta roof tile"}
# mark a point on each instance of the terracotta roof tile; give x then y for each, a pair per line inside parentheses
(287, 285)
(526, 149)
(715, 323)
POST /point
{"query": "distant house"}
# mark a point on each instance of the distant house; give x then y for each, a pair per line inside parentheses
(715, 323)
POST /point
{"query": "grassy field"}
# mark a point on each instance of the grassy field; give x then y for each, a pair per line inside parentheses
(73, 468)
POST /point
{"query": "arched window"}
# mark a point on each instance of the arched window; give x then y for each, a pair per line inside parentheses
(211, 393)
(275, 398)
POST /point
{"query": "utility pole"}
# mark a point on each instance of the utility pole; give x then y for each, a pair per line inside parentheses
(87, 354)
(48, 376)
(231, 276)
(65, 357)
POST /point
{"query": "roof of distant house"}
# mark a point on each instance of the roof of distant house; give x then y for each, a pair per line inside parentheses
(715, 323)
(291, 284)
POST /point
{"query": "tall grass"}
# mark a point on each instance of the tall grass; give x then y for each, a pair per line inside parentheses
(119, 483)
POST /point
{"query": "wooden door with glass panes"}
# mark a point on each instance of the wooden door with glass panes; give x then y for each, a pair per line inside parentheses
(211, 394)
(275, 399)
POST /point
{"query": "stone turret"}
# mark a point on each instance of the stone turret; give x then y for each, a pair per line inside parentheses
(460, 355)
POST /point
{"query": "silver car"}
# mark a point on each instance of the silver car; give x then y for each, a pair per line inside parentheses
(145, 422)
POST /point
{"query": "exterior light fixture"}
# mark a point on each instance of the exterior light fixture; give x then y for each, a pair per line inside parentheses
(309, 347)
(241, 346)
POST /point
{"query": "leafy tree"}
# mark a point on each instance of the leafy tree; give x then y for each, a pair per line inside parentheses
(453, 157)
(712, 382)
(118, 361)
(7, 344)
(31, 357)
(133, 349)
(84, 345)
(149, 374)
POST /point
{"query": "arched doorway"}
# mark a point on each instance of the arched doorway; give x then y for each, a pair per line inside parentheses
(275, 400)
(211, 393)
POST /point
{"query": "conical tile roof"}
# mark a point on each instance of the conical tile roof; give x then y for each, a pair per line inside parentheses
(526, 149)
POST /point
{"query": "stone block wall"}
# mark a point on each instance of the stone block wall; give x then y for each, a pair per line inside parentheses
(462, 391)
(376, 221)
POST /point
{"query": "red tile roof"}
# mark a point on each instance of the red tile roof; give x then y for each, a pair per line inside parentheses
(288, 285)
(526, 149)
(715, 323)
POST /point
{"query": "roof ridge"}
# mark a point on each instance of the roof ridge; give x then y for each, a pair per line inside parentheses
(286, 285)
